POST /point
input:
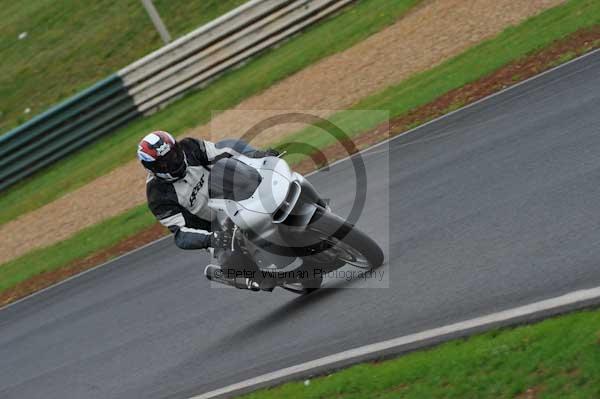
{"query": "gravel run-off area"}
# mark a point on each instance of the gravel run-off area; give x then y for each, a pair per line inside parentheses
(431, 33)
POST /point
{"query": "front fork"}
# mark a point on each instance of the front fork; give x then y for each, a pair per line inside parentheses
(306, 206)
(310, 193)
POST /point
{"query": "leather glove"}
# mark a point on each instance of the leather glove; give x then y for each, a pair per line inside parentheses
(271, 152)
(221, 239)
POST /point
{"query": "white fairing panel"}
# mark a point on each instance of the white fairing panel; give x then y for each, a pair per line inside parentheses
(268, 197)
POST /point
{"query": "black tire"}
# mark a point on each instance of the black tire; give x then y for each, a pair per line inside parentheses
(312, 284)
(299, 288)
(343, 234)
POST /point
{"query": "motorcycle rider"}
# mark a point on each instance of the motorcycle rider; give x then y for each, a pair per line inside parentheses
(177, 186)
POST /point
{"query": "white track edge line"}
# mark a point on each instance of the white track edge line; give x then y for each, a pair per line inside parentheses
(573, 298)
(428, 334)
(463, 108)
(81, 273)
(332, 164)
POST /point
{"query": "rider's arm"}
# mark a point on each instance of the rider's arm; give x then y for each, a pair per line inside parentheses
(163, 204)
(187, 237)
(215, 153)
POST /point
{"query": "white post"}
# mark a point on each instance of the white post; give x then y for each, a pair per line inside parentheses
(158, 23)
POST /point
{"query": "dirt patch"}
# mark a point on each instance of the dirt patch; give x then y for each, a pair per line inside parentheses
(531, 393)
(428, 35)
(574, 45)
(575, 372)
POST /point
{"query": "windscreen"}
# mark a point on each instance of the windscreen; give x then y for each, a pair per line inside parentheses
(232, 179)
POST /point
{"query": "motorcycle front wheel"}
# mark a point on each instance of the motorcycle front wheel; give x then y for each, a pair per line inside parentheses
(344, 242)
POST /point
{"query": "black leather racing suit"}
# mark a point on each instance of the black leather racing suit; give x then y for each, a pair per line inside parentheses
(182, 205)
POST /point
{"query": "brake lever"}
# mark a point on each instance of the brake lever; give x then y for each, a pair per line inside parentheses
(235, 229)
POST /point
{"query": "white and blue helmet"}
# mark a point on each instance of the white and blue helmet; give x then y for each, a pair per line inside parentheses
(162, 156)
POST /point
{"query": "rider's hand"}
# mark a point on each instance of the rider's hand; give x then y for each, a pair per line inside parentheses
(221, 239)
(271, 152)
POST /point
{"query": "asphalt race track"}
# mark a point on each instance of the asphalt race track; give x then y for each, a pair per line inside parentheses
(495, 206)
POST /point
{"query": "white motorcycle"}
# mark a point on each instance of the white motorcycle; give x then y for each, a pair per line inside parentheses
(277, 219)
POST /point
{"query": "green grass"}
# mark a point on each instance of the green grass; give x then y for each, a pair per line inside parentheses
(71, 44)
(333, 35)
(477, 62)
(474, 63)
(558, 358)
(84, 243)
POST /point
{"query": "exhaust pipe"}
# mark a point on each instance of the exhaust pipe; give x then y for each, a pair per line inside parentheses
(215, 273)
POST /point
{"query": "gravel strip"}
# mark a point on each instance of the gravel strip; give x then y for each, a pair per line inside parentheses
(428, 35)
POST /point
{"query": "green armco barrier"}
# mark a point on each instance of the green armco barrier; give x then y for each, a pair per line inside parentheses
(78, 120)
(153, 81)
(24, 167)
(63, 128)
(61, 107)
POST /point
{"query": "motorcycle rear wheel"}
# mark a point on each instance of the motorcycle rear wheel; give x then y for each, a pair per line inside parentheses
(303, 288)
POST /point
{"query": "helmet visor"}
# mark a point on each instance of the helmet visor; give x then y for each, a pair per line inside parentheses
(173, 163)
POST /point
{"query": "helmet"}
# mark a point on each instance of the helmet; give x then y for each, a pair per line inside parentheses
(162, 156)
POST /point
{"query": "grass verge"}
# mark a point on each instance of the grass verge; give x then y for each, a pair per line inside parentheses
(335, 34)
(513, 43)
(557, 358)
(84, 243)
(71, 45)
(131, 223)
